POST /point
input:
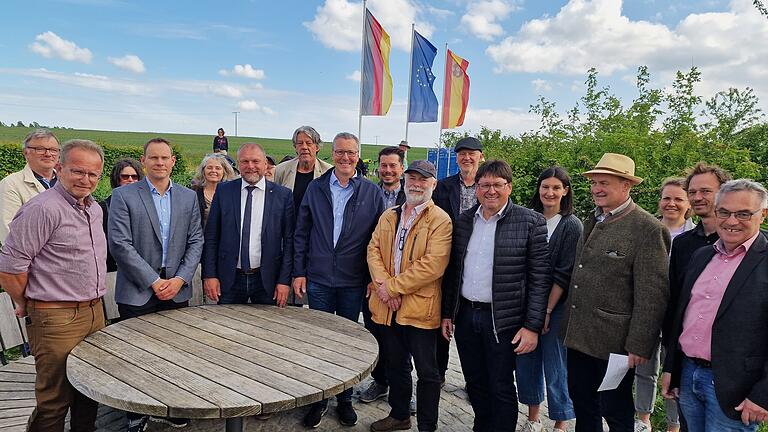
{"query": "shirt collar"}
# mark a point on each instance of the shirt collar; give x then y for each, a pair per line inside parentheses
(153, 189)
(614, 212)
(59, 187)
(418, 209)
(393, 191)
(261, 184)
(742, 248)
(479, 212)
(335, 180)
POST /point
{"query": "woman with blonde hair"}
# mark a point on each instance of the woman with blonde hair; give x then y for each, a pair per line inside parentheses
(213, 170)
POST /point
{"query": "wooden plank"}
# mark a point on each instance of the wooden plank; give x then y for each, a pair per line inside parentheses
(231, 403)
(320, 319)
(8, 386)
(16, 412)
(14, 424)
(173, 401)
(206, 364)
(260, 340)
(197, 288)
(16, 377)
(276, 365)
(319, 338)
(197, 342)
(19, 367)
(110, 306)
(17, 403)
(9, 395)
(9, 325)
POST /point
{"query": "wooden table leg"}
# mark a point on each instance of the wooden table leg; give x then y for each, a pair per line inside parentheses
(235, 424)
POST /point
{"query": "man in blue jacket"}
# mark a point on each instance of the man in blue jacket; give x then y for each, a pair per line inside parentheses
(334, 224)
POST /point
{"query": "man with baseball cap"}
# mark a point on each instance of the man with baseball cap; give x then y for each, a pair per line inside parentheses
(617, 297)
(407, 256)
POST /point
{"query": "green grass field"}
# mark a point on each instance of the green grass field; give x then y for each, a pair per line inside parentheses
(194, 147)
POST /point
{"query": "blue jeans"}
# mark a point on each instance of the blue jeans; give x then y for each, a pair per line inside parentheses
(344, 302)
(699, 404)
(548, 360)
(246, 287)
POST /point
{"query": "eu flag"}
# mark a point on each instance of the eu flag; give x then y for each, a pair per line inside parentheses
(423, 107)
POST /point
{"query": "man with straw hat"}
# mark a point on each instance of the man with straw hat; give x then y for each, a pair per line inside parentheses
(617, 297)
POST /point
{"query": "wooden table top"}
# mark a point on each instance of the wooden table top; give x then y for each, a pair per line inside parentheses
(221, 361)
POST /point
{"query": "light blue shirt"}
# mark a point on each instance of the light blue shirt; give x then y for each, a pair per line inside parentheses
(341, 196)
(478, 261)
(163, 208)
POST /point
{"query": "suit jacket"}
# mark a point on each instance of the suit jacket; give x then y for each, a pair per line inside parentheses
(447, 195)
(222, 236)
(285, 173)
(739, 333)
(15, 190)
(134, 241)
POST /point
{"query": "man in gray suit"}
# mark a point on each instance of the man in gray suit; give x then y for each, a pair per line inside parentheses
(157, 260)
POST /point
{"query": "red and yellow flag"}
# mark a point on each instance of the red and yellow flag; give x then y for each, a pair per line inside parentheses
(456, 91)
(377, 81)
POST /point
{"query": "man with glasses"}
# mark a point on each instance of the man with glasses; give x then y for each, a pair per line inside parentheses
(156, 239)
(41, 151)
(53, 265)
(407, 257)
(717, 357)
(495, 294)
(333, 227)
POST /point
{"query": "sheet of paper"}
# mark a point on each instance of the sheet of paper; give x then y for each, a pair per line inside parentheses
(617, 368)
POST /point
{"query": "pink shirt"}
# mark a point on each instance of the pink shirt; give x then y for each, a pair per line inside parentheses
(62, 246)
(706, 295)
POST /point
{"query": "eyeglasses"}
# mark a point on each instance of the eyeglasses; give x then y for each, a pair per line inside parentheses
(401, 240)
(43, 150)
(82, 174)
(742, 215)
(129, 176)
(485, 187)
(342, 153)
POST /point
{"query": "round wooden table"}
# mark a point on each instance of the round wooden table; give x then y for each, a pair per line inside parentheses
(222, 361)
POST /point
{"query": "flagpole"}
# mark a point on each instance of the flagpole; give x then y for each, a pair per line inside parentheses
(442, 108)
(360, 109)
(410, 77)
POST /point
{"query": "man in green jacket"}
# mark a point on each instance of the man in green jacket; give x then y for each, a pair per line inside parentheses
(617, 298)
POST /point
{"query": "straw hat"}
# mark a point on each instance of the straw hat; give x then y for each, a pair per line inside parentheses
(616, 164)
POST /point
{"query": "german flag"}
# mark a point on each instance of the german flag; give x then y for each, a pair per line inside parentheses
(456, 91)
(377, 82)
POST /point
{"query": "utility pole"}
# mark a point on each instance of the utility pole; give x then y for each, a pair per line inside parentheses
(377, 139)
(235, 113)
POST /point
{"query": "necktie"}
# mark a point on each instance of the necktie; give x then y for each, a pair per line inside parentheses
(245, 238)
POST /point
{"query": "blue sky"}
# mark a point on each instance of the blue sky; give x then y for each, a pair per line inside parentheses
(168, 66)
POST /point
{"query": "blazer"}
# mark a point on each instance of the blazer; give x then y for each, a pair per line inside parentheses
(136, 245)
(15, 190)
(222, 236)
(285, 173)
(739, 333)
(447, 196)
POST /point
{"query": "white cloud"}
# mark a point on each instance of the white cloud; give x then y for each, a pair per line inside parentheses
(541, 85)
(129, 62)
(251, 105)
(84, 80)
(345, 20)
(245, 71)
(225, 90)
(482, 17)
(50, 45)
(354, 76)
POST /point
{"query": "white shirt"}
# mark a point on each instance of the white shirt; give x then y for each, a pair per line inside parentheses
(477, 281)
(257, 216)
(552, 224)
(404, 231)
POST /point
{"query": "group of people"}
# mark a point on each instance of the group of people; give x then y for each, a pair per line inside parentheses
(533, 297)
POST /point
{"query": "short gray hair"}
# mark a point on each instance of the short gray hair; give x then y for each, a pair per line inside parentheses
(743, 185)
(251, 145)
(40, 134)
(310, 132)
(82, 144)
(346, 136)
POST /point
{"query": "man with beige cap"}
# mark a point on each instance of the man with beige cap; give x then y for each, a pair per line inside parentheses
(617, 298)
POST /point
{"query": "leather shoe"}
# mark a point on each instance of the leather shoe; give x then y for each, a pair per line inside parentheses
(390, 424)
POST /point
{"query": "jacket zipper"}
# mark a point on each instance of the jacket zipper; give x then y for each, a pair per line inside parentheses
(413, 246)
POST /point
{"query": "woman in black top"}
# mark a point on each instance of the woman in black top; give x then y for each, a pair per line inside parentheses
(125, 171)
(554, 199)
(220, 143)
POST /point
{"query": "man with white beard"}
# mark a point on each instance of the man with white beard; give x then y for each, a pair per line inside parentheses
(407, 256)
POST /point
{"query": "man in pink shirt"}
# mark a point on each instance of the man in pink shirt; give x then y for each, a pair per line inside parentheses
(718, 357)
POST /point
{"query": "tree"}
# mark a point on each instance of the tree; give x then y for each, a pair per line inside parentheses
(760, 6)
(20, 124)
(731, 112)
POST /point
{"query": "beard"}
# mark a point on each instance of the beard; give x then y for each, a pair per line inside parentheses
(417, 198)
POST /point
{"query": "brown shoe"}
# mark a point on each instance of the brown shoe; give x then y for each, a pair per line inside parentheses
(390, 424)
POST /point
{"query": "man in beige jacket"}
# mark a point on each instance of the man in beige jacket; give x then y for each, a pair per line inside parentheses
(296, 173)
(41, 151)
(407, 256)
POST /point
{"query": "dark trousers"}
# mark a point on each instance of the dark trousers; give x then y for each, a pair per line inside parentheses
(401, 343)
(247, 287)
(585, 373)
(489, 367)
(379, 373)
(443, 346)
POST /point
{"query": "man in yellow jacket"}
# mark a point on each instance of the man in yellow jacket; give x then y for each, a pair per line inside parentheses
(407, 257)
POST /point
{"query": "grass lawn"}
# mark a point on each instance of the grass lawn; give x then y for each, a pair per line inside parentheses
(194, 147)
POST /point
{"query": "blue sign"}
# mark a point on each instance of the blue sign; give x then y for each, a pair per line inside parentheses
(444, 160)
